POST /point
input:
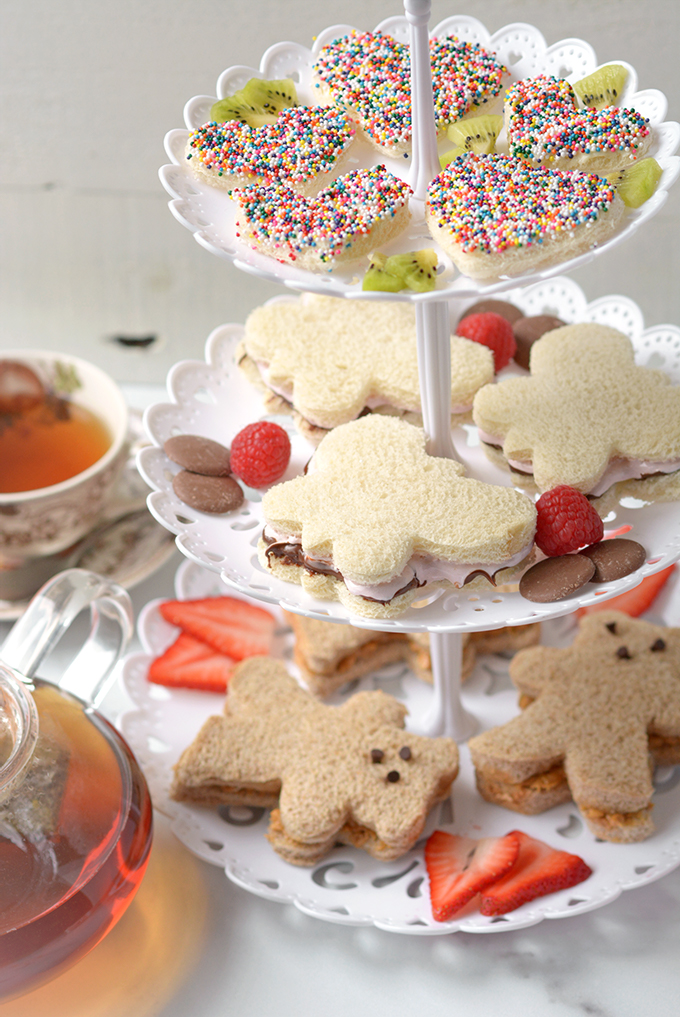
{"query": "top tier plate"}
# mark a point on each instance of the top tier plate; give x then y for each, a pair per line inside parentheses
(209, 213)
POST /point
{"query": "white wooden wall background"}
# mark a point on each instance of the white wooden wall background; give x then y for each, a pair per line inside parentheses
(88, 249)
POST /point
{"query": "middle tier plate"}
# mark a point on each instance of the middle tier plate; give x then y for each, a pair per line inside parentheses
(214, 400)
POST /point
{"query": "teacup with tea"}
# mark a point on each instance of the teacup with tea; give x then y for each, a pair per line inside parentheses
(63, 446)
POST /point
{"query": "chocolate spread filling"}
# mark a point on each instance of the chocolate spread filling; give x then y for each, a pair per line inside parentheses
(292, 554)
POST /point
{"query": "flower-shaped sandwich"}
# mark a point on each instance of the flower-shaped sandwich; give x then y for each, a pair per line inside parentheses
(332, 359)
(376, 522)
(597, 711)
(347, 774)
(587, 417)
(368, 74)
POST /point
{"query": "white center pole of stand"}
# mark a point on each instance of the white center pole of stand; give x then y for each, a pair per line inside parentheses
(425, 159)
(433, 337)
(446, 714)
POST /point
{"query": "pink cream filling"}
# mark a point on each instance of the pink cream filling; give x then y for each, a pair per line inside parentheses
(617, 471)
(372, 403)
(424, 568)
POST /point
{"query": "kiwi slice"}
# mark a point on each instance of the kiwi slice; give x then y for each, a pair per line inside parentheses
(415, 270)
(258, 102)
(603, 87)
(474, 134)
(637, 183)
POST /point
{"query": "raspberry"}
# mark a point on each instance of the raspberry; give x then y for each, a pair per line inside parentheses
(566, 521)
(492, 330)
(260, 453)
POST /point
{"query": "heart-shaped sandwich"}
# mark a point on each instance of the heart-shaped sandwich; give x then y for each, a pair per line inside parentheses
(302, 149)
(355, 214)
(545, 126)
(496, 215)
(368, 74)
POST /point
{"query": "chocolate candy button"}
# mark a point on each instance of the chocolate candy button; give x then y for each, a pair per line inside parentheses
(207, 494)
(528, 330)
(555, 578)
(198, 455)
(614, 558)
(502, 307)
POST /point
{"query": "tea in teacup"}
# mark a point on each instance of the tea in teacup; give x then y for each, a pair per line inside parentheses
(71, 422)
(45, 437)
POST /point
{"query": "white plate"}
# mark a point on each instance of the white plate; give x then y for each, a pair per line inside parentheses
(349, 887)
(209, 213)
(213, 399)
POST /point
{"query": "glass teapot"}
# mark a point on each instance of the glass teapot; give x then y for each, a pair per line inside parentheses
(75, 812)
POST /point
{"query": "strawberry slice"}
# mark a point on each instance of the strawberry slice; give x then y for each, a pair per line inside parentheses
(636, 601)
(192, 664)
(610, 534)
(230, 626)
(538, 870)
(459, 867)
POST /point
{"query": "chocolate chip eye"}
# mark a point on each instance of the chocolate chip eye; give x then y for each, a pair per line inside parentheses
(659, 644)
(393, 776)
(377, 755)
(623, 653)
(611, 626)
(405, 752)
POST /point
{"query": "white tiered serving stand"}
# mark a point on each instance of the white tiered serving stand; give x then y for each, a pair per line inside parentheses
(210, 398)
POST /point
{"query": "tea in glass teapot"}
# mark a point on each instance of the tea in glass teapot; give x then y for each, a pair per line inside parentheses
(75, 811)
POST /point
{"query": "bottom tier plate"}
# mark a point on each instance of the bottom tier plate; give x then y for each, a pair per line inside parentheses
(349, 887)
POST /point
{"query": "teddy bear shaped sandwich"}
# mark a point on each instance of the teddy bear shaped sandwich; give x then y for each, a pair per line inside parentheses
(330, 656)
(329, 360)
(345, 774)
(597, 711)
(376, 522)
(587, 416)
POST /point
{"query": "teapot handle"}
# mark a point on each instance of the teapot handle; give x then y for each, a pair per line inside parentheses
(49, 615)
